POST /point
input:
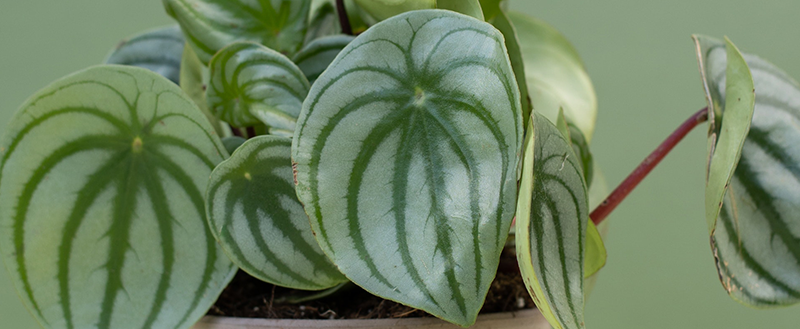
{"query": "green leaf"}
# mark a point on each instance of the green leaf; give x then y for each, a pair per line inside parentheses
(581, 147)
(232, 143)
(756, 242)
(555, 74)
(314, 58)
(552, 215)
(598, 191)
(491, 8)
(323, 21)
(406, 162)
(194, 82)
(595, 251)
(466, 7)
(211, 25)
(101, 204)
(252, 84)
(158, 50)
(254, 214)
(502, 23)
(383, 9)
(726, 143)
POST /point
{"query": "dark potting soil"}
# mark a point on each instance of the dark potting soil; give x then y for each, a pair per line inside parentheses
(249, 297)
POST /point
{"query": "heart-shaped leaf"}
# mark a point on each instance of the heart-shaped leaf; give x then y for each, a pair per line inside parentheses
(555, 74)
(254, 213)
(101, 204)
(552, 215)
(252, 84)
(157, 50)
(406, 162)
(211, 25)
(314, 58)
(756, 242)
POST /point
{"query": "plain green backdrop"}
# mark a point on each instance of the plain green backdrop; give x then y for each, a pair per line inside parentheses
(660, 271)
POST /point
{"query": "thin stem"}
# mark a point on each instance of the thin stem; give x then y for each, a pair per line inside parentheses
(343, 20)
(624, 188)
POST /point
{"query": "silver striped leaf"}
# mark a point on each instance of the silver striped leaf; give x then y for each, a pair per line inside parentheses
(101, 204)
(252, 84)
(255, 215)
(406, 155)
(314, 58)
(210, 25)
(552, 213)
(555, 74)
(756, 242)
(158, 50)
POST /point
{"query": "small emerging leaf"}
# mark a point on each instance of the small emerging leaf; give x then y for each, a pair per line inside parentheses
(756, 241)
(406, 162)
(254, 214)
(252, 84)
(193, 82)
(466, 7)
(552, 215)
(383, 9)
(323, 22)
(157, 50)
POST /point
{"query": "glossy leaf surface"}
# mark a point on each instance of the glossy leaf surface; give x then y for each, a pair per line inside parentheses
(101, 204)
(756, 241)
(158, 50)
(255, 215)
(406, 162)
(555, 74)
(211, 25)
(252, 84)
(314, 58)
(552, 214)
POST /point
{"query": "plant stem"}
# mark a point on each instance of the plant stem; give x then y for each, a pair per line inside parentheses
(343, 20)
(624, 188)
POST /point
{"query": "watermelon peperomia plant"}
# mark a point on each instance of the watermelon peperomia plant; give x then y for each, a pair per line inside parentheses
(392, 144)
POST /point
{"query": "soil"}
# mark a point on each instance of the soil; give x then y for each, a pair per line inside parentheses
(249, 297)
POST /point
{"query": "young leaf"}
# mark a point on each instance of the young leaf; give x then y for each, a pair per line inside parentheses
(552, 214)
(211, 25)
(406, 161)
(383, 9)
(504, 25)
(193, 82)
(101, 210)
(252, 84)
(756, 241)
(466, 7)
(323, 21)
(157, 50)
(314, 58)
(555, 74)
(595, 251)
(254, 213)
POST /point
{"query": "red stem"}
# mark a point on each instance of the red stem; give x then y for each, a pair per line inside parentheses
(624, 188)
(343, 20)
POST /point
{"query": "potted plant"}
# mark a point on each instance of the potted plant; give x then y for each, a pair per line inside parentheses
(415, 153)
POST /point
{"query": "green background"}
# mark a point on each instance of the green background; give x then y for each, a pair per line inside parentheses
(660, 271)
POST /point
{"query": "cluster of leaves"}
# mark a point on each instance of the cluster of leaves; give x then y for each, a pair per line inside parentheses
(408, 149)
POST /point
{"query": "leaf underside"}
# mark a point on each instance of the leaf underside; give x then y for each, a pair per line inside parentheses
(252, 84)
(756, 241)
(101, 209)
(158, 50)
(552, 215)
(406, 162)
(254, 213)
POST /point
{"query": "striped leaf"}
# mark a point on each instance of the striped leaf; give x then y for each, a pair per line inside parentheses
(756, 242)
(157, 50)
(314, 58)
(101, 210)
(552, 215)
(555, 74)
(252, 84)
(232, 143)
(210, 25)
(323, 21)
(406, 161)
(254, 214)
